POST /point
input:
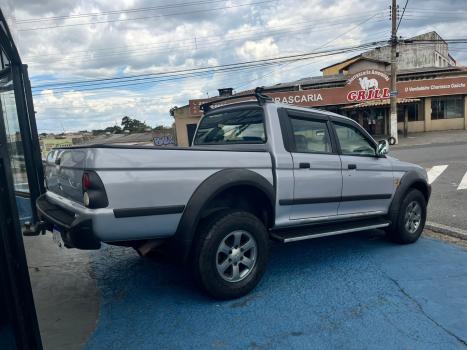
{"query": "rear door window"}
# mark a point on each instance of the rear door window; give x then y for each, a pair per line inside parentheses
(231, 127)
(311, 136)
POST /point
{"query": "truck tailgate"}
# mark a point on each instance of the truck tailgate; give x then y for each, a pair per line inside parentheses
(64, 171)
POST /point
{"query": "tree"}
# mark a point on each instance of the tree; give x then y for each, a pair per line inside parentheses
(97, 132)
(134, 125)
(115, 129)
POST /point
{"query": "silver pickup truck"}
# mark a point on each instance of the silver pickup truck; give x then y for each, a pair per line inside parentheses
(257, 171)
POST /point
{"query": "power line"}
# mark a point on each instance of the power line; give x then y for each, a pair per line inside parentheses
(148, 17)
(190, 70)
(198, 45)
(431, 41)
(435, 10)
(403, 11)
(110, 105)
(119, 84)
(236, 36)
(143, 81)
(324, 45)
(95, 14)
(158, 80)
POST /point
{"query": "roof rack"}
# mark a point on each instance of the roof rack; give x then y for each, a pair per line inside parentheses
(258, 94)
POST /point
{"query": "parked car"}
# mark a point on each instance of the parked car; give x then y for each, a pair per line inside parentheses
(257, 171)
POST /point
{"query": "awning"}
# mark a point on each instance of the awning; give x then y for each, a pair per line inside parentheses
(383, 102)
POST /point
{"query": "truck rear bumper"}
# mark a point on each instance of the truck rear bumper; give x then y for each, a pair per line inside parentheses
(76, 231)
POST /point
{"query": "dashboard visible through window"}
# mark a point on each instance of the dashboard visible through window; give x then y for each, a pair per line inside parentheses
(235, 126)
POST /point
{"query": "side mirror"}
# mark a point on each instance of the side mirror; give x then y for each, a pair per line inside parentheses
(383, 148)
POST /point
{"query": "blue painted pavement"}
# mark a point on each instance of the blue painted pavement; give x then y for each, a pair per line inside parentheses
(349, 292)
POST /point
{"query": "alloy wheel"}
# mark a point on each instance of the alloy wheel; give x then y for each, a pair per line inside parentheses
(236, 256)
(413, 217)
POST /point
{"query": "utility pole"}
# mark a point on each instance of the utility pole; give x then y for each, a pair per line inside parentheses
(393, 93)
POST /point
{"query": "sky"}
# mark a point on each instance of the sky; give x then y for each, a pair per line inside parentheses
(70, 40)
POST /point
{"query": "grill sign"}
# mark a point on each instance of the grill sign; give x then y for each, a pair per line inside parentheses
(366, 95)
(368, 85)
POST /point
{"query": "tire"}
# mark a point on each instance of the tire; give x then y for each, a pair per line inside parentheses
(217, 242)
(402, 231)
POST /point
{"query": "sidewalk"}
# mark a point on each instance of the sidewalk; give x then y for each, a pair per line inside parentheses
(432, 137)
(65, 293)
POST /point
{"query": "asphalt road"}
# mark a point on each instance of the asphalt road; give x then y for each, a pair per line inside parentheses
(448, 204)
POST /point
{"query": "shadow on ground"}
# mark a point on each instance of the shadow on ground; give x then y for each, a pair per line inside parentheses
(353, 292)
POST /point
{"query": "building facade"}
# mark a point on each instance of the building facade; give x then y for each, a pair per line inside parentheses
(422, 51)
(431, 91)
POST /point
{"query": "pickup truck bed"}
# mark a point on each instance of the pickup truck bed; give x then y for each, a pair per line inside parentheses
(148, 193)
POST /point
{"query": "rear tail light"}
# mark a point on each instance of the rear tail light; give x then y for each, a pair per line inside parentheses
(94, 195)
(86, 181)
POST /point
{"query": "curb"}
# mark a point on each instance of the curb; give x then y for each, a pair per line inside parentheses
(425, 144)
(447, 230)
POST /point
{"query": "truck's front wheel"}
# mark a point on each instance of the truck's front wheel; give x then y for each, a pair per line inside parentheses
(410, 219)
(231, 254)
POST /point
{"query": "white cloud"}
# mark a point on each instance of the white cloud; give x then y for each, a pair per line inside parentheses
(257, 50)
(195, 37)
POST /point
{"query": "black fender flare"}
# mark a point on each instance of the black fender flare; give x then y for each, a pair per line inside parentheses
(208, 190)
(410, 179)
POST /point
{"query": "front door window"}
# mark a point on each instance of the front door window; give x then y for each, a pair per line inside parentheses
(353, 142)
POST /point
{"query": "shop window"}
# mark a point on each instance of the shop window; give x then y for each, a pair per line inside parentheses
(414, 114)
(447, 107)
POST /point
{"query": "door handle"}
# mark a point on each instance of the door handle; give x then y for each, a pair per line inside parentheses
(352, 166)
(304, 165)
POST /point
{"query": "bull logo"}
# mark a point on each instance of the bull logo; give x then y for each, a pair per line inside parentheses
(369, 91)
(367, 84)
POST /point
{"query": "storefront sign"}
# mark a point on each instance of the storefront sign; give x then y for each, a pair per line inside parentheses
(366, 85)
(297, 99)
(434, 87)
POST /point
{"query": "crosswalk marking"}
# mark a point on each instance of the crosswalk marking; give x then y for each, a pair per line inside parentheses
(463, 183)
(436, 171)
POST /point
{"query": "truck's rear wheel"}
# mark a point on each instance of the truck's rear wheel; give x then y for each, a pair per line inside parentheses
(410, 220)
(231, 254)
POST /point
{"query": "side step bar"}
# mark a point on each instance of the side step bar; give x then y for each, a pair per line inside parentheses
(331, 229)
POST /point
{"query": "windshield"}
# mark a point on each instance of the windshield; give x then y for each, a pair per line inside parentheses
(238, 126)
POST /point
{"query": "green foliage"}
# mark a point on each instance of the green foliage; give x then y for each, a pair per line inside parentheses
(134, 125)
(115, 129)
